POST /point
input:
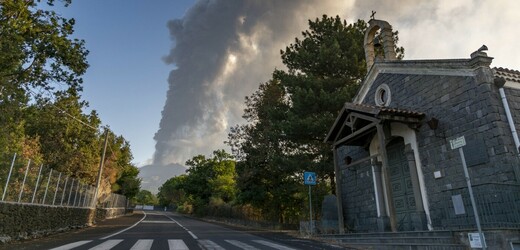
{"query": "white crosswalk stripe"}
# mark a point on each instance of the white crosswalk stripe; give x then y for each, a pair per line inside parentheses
(273, 245)
(210, 245)
(142, 245)
(241, 245)
(72, 245)
(177, 245)
(106, 245)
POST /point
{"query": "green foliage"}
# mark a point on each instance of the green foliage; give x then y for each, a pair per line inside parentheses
(36, 49)
(207, 179)
(41, 109)
(290, 115)
(128, 184)
(146, 197)
(171, 193)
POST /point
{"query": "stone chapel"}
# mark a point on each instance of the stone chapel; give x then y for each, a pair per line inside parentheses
(394, 163)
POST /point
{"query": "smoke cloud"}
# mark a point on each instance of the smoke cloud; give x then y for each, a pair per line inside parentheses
(223, 49)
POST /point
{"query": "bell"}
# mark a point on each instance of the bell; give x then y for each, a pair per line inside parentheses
(377, 43)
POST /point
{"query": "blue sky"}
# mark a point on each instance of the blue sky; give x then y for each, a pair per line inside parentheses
(127, 79)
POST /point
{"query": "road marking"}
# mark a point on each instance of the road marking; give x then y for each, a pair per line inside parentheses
(158, 221)
(142, 245)
(241, 245)
(210, 245)
(273, 245)
(192, 235)
(106, 245)
(72, 245)
(177, 245)
(132, 226)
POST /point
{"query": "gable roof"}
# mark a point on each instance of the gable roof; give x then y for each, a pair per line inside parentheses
(377, 113)
(507, 74)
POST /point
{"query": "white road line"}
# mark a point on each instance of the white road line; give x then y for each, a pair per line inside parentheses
(241, 245)
(142, 245)
(72, 245)
(210, 245)
(158, 221)
(192, 234)
(273, 245)
(106, 245)
(128, 228)
(177, 245)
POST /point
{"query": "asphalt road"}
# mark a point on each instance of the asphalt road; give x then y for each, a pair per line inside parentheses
(165, 230)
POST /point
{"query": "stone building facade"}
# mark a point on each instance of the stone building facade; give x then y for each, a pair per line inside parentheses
(394, 164)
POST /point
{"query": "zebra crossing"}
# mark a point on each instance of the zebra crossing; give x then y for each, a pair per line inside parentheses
(176, 244)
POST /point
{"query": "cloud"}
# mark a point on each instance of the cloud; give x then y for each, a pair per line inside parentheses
(223, 49)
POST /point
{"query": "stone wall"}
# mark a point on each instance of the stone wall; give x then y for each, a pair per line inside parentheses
(23, 221)
(359, 206)
(464, 107)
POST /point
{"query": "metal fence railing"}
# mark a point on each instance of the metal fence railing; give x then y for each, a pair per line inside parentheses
(498, 206)
(22, 181)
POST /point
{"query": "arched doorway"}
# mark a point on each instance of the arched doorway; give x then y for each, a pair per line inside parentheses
(401, 185)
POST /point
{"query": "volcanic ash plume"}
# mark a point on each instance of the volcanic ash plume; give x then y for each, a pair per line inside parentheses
(223, 50)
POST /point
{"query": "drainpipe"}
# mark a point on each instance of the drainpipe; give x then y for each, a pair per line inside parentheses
(500, 82)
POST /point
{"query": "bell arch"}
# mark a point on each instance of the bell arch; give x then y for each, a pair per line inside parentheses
(388, 42)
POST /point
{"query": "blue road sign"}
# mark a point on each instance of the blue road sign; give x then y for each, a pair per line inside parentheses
(309, 178)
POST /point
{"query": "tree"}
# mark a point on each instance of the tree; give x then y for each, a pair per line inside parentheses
(206, 179)
(146, 197)
(36, 52)
(172, 193)
(289, 116)
(70, 141)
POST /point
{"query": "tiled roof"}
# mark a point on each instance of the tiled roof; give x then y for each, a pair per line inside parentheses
(507, 74)
(383, 110)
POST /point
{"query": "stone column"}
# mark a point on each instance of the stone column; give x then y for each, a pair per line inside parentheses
(418, 218)
(383, 223)
(387, 185)
(339, 197)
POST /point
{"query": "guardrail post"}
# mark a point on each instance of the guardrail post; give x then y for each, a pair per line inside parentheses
(37, 182)
(70, 192)
(57, 187)
(47, 188)
(23, 182)
(8, 177)
(76, 196)
(64, 190)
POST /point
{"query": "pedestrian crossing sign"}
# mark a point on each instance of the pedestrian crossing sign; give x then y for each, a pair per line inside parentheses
(309, 178)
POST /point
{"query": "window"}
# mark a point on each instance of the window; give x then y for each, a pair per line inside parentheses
(383, 95)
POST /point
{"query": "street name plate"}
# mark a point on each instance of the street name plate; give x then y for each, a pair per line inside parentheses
(458, 142)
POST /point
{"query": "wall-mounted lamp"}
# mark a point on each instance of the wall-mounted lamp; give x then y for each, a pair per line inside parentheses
(433, 123)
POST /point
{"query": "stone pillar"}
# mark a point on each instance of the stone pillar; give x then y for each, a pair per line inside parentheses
(383, 221)
(387, 185)
(339, 197)
(418, 218)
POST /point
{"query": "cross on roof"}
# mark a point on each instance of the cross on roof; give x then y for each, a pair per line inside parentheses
(373, 14)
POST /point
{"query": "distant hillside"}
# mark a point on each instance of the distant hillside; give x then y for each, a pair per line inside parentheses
(153, 176)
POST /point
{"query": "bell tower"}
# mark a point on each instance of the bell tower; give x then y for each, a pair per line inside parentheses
(385, 39)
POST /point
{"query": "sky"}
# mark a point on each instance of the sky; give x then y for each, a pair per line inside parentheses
(171, 76)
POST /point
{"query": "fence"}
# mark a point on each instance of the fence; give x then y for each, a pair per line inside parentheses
(497, 204)
(25, 182)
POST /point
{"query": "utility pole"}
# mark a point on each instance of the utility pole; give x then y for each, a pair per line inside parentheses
(101, 164)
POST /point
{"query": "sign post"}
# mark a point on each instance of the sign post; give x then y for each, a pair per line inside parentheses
(459, 143)
(309, 179)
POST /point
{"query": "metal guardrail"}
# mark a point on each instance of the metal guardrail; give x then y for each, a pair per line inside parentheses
(24, 182)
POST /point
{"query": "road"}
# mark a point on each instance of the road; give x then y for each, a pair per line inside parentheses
(165, 230)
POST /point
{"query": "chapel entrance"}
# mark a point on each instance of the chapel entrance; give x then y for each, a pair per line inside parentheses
(401, 185)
